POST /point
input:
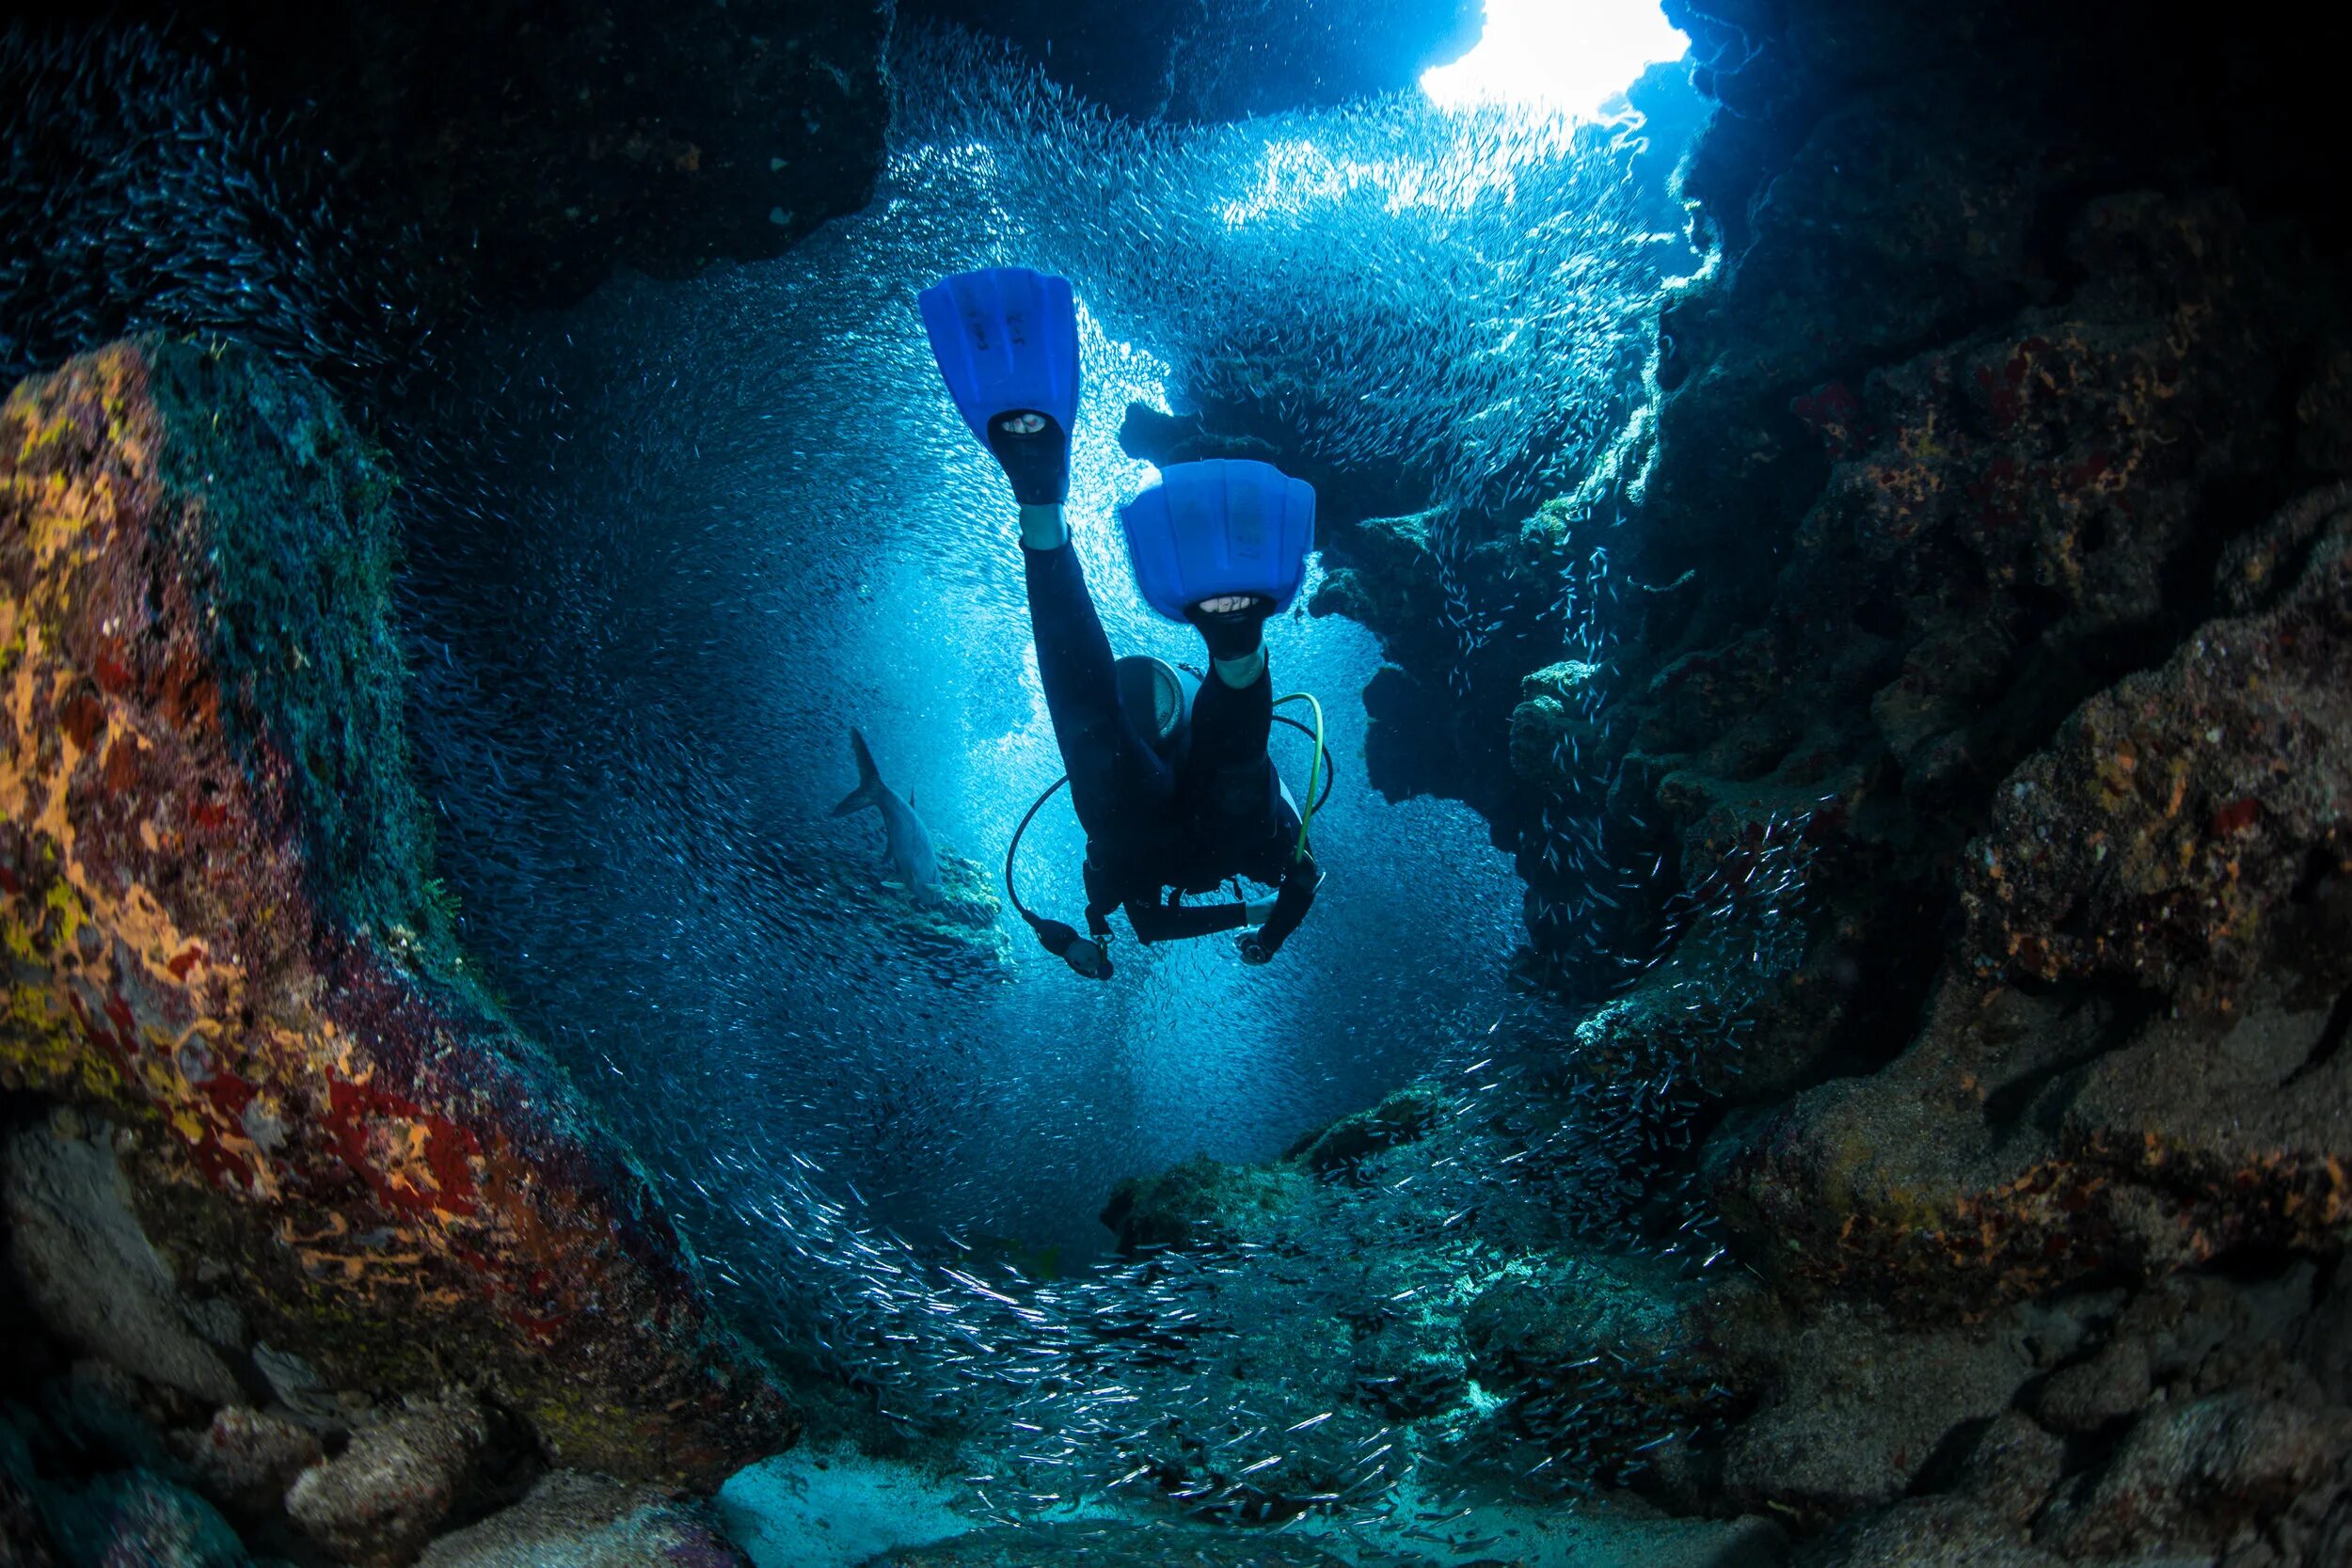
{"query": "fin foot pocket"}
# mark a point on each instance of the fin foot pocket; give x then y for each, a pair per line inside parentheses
(1034, 451)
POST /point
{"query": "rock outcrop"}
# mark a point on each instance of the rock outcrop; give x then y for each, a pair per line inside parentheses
(343, 1179)
(1212, 59)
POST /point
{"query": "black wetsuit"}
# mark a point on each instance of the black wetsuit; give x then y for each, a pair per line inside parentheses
(1217, 811)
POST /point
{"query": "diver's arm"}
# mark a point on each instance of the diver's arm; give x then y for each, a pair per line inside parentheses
(1156, 922)
(1290, 905)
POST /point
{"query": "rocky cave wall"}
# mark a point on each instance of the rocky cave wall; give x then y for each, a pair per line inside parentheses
(1982, 582)
(302, 1223)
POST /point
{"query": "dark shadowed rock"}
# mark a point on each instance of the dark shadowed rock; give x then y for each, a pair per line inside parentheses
(214, 881)
(136, 1518)
(2189, 1476)
(2111, 1386)
(2163, 835)
(96, 1415)
(2012, 1468)
(1863, 1408)
(78, 1251)
(2180, 833)
(24, 1538)
(1931, 1532)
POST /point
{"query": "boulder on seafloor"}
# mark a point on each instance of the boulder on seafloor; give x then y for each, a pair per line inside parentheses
(1861, 1408)
(376, 1503)
(1206, 1202)
(2189, 1476)
(1596, 1355)
(1341, 1149)
(571, 1520)
(1931, 1532)
(1203, 1202)
(222, 933)
(244, 1460)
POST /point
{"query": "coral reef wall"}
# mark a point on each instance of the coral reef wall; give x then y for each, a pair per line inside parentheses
(1990, 533)
(324, 1174)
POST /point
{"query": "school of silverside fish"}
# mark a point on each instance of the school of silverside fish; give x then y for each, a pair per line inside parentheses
(146, 194)
(1459, 297)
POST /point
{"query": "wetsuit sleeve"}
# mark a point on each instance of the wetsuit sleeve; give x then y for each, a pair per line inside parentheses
(1291, 904)
(1156, 922)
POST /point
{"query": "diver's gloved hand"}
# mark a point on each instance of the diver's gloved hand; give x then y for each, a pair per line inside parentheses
(1085, 955)
(1253, 949)
(1034, 452)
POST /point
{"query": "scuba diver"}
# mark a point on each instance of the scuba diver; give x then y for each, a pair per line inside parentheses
(1170, 775)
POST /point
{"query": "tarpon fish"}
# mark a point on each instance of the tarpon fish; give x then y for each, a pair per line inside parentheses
(910, 842)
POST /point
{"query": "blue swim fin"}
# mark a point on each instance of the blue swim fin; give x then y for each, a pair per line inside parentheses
(1226, 526)
(1007, 343)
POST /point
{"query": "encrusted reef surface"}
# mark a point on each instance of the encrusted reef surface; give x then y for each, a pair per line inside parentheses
(274, 1168)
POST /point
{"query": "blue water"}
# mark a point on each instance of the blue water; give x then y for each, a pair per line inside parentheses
(690, 533)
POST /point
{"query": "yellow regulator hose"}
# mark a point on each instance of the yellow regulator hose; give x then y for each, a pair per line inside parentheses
(1315, 770)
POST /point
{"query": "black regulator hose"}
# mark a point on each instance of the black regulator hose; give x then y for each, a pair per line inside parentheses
(1083, 954)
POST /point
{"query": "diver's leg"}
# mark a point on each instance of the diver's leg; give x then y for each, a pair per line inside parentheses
(1229, 723)
(1114, 775)
(1232, 714)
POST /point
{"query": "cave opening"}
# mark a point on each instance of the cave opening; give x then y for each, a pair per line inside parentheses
(743, 495)
(681, 538)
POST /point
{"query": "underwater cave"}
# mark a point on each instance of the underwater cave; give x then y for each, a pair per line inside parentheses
(603, 970)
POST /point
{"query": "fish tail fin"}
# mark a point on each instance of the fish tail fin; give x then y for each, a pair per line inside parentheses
(869, 790)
